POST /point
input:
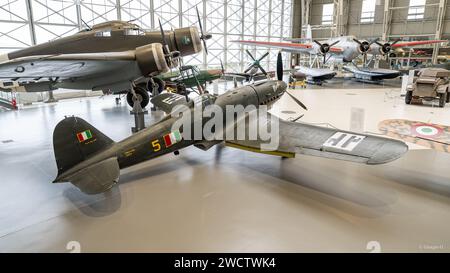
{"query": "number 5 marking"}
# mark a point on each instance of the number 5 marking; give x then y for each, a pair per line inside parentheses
(156, 146)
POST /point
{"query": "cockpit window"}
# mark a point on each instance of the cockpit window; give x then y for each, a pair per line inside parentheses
(133, 32)
(103, 33)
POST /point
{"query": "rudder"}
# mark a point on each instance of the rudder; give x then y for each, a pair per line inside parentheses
(74, 140)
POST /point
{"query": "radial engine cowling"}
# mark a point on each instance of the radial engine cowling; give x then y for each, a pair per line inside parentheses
(187, 41)
(151, 60)
(385, 48)
(363, 47)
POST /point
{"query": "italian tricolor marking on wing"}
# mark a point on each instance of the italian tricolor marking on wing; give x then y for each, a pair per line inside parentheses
(83, 136)
(426, 130)
(172, 138)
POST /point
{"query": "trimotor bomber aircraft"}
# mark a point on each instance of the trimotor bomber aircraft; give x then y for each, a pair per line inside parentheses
(342, 49)
(91, 161)
(108, 57)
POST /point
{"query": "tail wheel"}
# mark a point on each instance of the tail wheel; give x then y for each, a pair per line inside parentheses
(408, 97)
(442, 99)
(142, 95)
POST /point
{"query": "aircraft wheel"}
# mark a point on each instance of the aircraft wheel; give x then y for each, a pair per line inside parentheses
(143, 97)
(161, 85)
(448, 97)
(408, 97)
(442, 99)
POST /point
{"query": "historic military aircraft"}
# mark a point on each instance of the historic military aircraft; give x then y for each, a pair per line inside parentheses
(91, 161)
(108, 57)
(342, 49)
(251, 73)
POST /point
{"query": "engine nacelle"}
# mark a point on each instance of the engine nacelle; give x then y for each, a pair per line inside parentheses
(187, 40)
(151, 59)
(385, 49)
(363, 47)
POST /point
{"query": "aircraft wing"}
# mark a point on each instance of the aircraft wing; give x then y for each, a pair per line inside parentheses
(65, 66)
(416, 43)
(302, 138)
(288, 47)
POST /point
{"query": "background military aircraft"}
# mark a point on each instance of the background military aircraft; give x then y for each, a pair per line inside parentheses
(251, 72)
(344, 49)
(108, 57)
(91, 161)
(190, 76)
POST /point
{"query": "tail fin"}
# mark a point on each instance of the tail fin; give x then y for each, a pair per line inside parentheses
(308, 35)
(74, 140)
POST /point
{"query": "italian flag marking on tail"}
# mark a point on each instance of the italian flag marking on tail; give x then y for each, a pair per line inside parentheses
(83, 136)
(172, 138)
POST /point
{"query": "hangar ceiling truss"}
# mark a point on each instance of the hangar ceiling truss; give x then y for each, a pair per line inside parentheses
(27, 22)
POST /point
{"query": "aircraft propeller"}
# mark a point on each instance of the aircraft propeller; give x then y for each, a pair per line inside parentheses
(387, 47)
(364, 46)
(204, 37)
(256, 63)
(325, 48)
(280, 78)
(169, 55)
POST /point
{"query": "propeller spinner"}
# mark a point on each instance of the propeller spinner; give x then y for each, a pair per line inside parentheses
(386, 48)
(364, 47)
(256, 63)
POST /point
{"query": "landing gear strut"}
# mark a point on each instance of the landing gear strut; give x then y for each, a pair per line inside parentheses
(154, 86)
(137, 112)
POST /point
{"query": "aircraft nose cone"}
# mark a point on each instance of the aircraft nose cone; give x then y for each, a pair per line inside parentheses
(281, 87)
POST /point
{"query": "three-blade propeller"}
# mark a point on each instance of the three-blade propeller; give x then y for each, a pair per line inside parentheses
(204, 37)
(364, 47)
(387, 47)
(324, 48)
(171, 56)
(280, 78)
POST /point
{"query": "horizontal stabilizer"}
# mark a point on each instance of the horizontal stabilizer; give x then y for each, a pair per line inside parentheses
(96, 178)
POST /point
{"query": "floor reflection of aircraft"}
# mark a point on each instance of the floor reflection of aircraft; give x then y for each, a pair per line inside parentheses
(342, 49)
(108, 57)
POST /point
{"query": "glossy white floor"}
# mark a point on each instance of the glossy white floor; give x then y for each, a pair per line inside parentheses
(226, 199)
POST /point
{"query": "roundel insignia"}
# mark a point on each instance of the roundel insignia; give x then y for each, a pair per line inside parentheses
(426, 130)
(185, 40)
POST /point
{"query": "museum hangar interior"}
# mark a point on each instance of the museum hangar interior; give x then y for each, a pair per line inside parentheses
(358, 90)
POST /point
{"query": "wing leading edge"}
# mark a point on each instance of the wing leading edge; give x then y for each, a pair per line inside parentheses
(284, 46)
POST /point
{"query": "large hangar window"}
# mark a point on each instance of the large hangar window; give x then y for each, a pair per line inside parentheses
(368, 11)
(327, 14)
(416, 9)
(28, 22)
